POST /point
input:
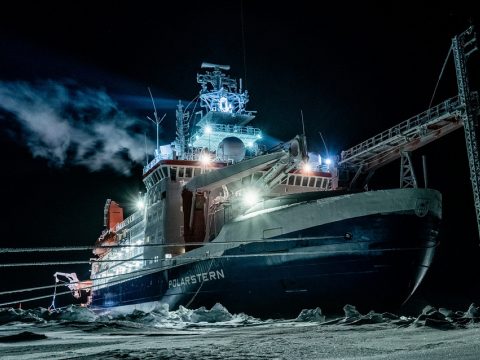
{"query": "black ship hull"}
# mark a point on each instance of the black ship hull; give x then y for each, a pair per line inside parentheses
(373, 262)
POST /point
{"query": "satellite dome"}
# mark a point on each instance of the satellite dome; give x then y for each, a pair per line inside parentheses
(231, 148)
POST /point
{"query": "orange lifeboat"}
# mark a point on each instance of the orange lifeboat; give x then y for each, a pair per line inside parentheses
(113, 215)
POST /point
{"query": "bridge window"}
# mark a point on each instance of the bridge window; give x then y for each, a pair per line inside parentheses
(291, 180)
(320, 182)
(165, 171)
(298, 180)
(148, 183)
(312, 182)
(173, 173)
(188, 172)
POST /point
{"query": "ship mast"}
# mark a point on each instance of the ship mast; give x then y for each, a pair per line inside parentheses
(156, 121)
(224, 110)
(183, 127)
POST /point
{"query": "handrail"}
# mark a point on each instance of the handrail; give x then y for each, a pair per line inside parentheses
(247, 130)
(127, 221)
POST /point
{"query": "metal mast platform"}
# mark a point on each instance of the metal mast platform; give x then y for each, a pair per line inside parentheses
(225, 115)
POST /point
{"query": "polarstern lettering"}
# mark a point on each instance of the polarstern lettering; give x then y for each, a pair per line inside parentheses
(197, 278)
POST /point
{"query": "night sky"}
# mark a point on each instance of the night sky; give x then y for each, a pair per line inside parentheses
(354, 71)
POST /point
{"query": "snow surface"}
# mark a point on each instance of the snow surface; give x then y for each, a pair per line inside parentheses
(78, 333)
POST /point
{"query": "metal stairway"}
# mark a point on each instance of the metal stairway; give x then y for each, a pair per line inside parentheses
(409, 135)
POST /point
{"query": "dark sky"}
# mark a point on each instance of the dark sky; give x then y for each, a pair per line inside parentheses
(354, 70)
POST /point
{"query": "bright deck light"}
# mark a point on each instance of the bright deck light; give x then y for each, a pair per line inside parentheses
(208, 129)
(306, 168)
(204, 159)
(250, 197)
(140, 204)
(328, 161)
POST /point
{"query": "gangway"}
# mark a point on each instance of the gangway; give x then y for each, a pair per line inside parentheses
(409, 135)
(397, 142)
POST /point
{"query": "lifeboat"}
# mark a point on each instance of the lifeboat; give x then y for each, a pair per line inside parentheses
(113, 215)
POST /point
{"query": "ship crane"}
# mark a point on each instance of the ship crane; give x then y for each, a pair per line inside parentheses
(296, 154)
(73, 282)
(280, 163)
(76, 287)
(397, 142)
(276, 165)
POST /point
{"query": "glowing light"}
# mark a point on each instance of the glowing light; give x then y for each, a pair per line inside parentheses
(328, 161)
(307, 168)
(168, 256)
(204, 159)
(140, 204)
(259, 136)
(208, 129)
(251, 197)
(250, 144)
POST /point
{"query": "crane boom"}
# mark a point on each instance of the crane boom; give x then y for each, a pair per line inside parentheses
(297, 153)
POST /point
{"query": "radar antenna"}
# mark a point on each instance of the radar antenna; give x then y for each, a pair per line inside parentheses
(206, 65)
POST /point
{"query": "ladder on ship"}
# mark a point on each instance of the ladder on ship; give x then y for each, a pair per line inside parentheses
(432, 124)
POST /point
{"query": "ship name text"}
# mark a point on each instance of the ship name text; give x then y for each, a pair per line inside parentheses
(197, 278)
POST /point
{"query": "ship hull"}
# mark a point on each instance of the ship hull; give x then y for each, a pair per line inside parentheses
(375, 261)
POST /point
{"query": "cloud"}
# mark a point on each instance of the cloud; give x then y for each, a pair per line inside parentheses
(69, 125)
